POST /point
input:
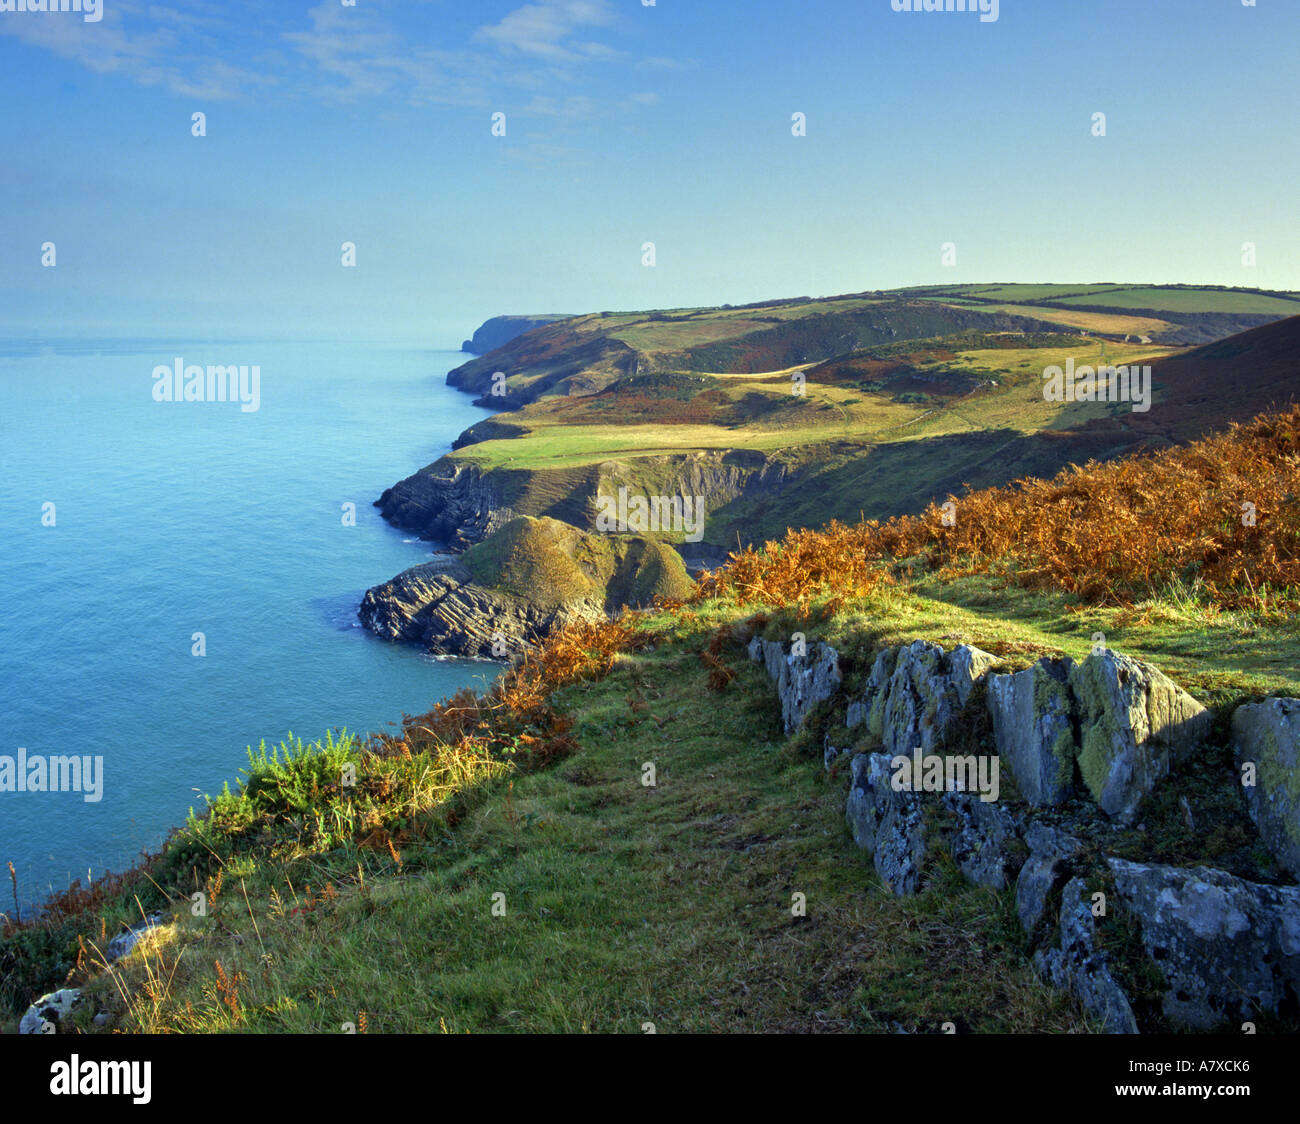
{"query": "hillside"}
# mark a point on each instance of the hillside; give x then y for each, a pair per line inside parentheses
(530, 577)
(583, 354)
(500, 330)
(875, 431)
(637, 826)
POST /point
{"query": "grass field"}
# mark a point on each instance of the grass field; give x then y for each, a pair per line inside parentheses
(825, 413)
(1191, 300)
(1100, 322)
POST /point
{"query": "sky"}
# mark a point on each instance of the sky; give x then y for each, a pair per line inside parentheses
(626, 123)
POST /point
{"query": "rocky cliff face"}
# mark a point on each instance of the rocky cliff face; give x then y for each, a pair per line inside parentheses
(456, 502)
(549, 359)
(451, 501)
(439, 606)
(529, 578)
(1083, 750)
(500, 330)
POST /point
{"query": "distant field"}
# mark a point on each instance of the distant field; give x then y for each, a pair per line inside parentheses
(1191, 300)
(1106, 323)
(1035, 292)
(559, 438)
(656, 336)
(677, 331)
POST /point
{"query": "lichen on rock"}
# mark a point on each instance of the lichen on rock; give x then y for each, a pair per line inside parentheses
(1134, 722)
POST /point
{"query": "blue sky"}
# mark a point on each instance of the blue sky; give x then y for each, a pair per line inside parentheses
(625, 124)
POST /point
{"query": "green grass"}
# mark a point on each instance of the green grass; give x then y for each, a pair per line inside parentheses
(626, 904)
(548, 563)
(1192, 300)
(825, 414)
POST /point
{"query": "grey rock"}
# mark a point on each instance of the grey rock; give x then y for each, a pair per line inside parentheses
(1079, 967)
(888, 824)
(986, 841)
(1134, 722)
(802, 681)
(773, 656)
(871, 710)
(438, 605)
(50, 1011)
(807, 681)
(1051, 852)
(1033, 727)
(124, 942)
(966, 667)
(1268, 734)
(925, 693)
(856, 715)
(1229, 949)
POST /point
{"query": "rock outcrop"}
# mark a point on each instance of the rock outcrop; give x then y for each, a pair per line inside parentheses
(802, 679)
(985, 840)
(888, 823)
(1052, 854)
(458, 502)
(530, 578)
(1085, 742)
(1034, 724)
(1076, 965)
(1133, 723)
(914, 693)
(1267, 736)
(122, 944)
(50, 1012)
(500, 330)
(1229, 949)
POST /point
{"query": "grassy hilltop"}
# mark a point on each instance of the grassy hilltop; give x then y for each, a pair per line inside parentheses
(499, 865)
(792, 413)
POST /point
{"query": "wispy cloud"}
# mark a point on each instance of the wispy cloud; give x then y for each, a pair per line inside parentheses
(354, 53)
(662, 62)
(546, 30)
(542, 51)
(175, 49)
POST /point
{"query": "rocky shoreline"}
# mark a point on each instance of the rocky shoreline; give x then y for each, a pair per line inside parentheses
(460, 505)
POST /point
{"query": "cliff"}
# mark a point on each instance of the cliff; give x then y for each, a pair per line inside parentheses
(501, 330)
(459, 502)
(525, 580)
(1133, 866)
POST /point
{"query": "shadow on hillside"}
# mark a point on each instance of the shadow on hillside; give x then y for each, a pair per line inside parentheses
(880, 481)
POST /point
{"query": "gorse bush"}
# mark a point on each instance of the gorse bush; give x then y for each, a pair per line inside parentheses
(303, 779)
(1220, 516)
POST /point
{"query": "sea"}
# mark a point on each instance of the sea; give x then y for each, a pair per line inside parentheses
(181, 578)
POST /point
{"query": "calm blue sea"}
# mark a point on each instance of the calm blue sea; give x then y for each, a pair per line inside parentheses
(197, 517)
